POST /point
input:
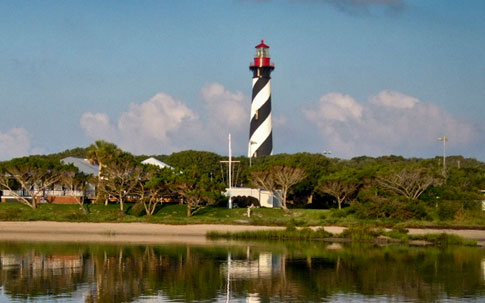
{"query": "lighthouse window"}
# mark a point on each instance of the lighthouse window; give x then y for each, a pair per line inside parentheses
(262, 52)
(256, 116)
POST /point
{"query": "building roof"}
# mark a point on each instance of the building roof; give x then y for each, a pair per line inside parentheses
(156, 162)
(83, 165)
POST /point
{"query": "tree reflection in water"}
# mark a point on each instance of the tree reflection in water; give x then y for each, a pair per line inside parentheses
(257, 272)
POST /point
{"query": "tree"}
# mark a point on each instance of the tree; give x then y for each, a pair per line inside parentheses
(75, 181)
(120, 176)
(342, 190)
(197, 189)
(343, 185)
(278, 178)
(154, 183)
(34, 175)
(101, 152)
(409, 182)
(205, 162)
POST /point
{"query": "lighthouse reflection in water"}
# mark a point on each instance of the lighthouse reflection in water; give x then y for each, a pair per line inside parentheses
(239, 272)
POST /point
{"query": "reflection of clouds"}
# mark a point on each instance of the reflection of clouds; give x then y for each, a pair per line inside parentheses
(335, 246)
(263, 267)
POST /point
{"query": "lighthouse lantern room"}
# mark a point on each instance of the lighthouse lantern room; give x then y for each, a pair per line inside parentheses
(262, 55)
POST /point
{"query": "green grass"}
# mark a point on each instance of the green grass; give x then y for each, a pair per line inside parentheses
(291, 233)
(177, 214)
(167, 214)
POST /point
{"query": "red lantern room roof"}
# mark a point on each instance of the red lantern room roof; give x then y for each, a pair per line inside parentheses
(262, 45)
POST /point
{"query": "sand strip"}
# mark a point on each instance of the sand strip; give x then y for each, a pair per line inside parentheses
(156, 233)
(45, 231)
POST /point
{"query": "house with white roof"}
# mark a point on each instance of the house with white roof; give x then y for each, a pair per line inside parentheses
(156, 162)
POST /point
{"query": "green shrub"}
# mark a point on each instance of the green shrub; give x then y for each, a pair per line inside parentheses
(291, 226)
(396, 209)
(362, 232)
(341, 213)
(137, 210)
(448, 209)
(416, 209)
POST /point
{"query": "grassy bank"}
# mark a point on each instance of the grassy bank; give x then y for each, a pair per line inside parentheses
(177, 214)
(166, 214)
(359, 233)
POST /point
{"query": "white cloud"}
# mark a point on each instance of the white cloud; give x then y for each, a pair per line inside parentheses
(227, 112)
(15, 142)
(97, 126)
(394, 99)
(338, 107)
(164, 124)
(390, 123)
(149, 127)
(225, 107)
(156, 122)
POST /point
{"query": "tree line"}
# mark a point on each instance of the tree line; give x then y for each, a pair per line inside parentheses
(382, 187)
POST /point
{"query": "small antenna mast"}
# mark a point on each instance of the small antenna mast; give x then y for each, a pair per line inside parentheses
(229, 173)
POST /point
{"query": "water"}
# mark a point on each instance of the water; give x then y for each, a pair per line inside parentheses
(239, 272)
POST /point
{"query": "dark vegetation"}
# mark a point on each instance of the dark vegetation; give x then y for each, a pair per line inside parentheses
(315, 189)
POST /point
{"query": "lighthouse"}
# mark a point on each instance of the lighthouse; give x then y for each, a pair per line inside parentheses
(260, 129)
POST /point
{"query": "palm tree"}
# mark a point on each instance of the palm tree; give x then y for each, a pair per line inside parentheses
(101, 152)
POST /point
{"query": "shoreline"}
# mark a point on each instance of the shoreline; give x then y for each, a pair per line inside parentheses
(151, 233)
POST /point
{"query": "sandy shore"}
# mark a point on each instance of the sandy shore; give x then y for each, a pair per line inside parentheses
(153, 233)
(115, 232)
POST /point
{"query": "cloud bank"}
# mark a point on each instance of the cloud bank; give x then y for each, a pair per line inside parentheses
(164, 124)
(389, 123)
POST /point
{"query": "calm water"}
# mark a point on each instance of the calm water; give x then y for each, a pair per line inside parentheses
(240, 272)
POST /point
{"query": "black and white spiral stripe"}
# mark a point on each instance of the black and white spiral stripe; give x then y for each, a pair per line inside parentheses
(260, 131)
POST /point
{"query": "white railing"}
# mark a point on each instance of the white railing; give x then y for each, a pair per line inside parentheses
(49, 193)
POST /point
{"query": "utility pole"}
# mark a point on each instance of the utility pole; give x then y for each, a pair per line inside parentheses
(444, 139)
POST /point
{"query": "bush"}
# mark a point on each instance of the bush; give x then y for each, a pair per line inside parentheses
(391, 209)
(291, 226)
(341, 213)
(416, 209)
(137, 210)
(362, 232)
(448, 209)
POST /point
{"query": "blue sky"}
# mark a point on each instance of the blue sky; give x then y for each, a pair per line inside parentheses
(358, 77)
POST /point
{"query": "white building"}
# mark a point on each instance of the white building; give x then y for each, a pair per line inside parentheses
(265, 197)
